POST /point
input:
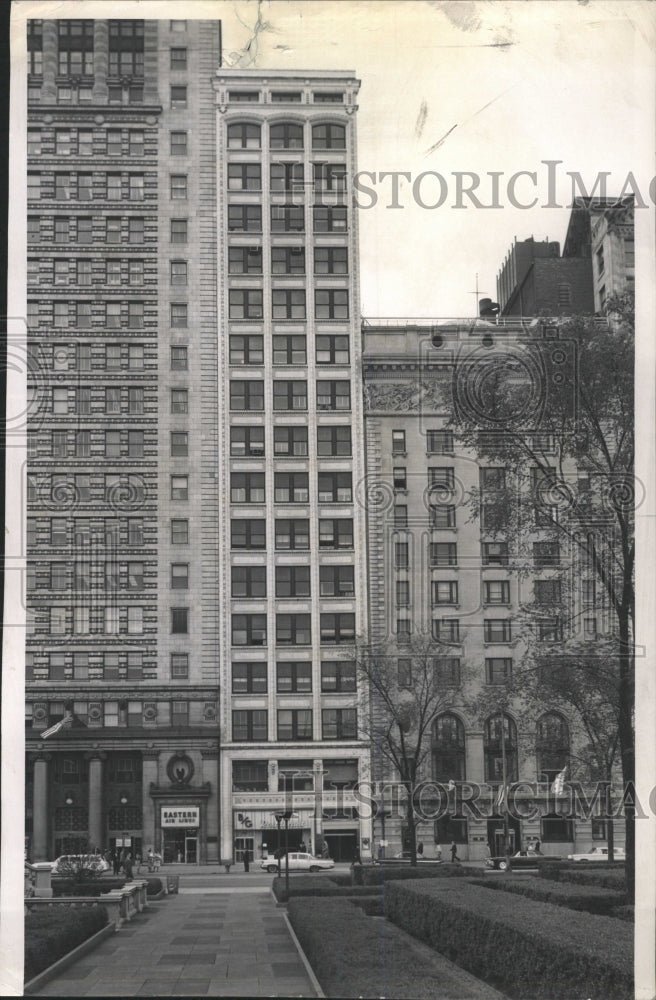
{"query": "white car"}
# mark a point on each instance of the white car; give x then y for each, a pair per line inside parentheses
(298, 862)
(598, 854)
(70, 864)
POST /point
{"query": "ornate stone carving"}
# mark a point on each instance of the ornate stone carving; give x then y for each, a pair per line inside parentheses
(407, 396)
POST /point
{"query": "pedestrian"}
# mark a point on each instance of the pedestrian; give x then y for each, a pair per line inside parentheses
(454, 852)
(325, 852)
(302, 847)
(116, 862)
(420, 848)
(246, 860)
(127, 866)
(150, 858)
(537, 845)
(438, 852)
(157, 859)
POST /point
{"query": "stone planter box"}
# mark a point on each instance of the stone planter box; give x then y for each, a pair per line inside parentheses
(34, 985)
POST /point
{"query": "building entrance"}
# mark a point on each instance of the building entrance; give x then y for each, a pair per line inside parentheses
(495, 836)
(180, 846)
(342, 844)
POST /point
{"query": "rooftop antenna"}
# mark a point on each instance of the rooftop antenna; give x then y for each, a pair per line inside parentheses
(477, 293)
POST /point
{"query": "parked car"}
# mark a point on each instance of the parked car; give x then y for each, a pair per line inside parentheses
(598, 854)
(69, 863)
(298, 862)
(522, 859)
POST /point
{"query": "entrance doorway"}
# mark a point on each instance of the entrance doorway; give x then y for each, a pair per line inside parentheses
(191, 850)
(342, 844)
(180, 846)
(276, 842)
(495, 836)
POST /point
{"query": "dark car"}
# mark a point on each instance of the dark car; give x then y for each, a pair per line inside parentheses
(518, 861)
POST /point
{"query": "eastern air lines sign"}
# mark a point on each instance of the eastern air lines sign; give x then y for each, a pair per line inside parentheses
(184, 816)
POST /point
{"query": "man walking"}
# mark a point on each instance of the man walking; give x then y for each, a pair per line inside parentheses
(454, 852)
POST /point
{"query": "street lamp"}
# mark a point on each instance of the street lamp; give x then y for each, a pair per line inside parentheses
(278, 818)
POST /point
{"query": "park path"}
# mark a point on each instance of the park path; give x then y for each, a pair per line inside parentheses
(214, 942)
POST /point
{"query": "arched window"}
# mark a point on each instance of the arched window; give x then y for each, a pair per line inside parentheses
(286, 135)
(551, 746)
(328, 137)
(448, 748)
(494, 748)
(244, 135)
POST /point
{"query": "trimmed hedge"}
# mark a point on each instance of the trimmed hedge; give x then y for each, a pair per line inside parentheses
(52, 933)
(591, 898)
(154, 886)
(624, 913)
(532, 950)
(373, 906)
(607, 878)
(62, 886)
(306, 885)
(381, 874)
(355, 956)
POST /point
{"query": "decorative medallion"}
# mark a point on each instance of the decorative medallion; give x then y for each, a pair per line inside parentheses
(180, 769)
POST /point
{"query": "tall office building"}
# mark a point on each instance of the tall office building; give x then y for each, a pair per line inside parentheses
(192, 460)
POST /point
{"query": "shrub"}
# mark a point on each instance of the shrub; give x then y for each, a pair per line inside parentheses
(607, 878)
(532, 950)
(69, 887)
(154, 886)
(624, 913)
(352, 958)
(373, 906)
(380, 874)
(53, 932)
(306, 885)
(591, 898)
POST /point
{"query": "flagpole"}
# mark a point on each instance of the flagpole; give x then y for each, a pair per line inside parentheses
(505, 789)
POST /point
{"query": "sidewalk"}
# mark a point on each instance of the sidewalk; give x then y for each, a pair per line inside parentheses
(198, 943)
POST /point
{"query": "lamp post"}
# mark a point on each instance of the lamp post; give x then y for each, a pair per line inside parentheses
(278, 818)
(287, 816)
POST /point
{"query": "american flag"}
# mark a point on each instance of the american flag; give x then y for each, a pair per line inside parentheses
(558, 786)
(62, 724)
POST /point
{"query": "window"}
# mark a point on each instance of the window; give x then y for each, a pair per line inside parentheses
(243, 136)
(244, 177)
(249, 678)
(135, 400)
(496, 729)
(333, 441)
(179, 713)
(84, 230)
(287, 219)
(447, 671)
(135, 356)
(286, 136)
(178, 187)
(444, 592)
(178, 143)
(546, 554)
(556, 829)
(135, 531)
(290, 395)
(179, 487)
(112, 444)
(443, 554)
(400, 477)
(339, 723)
(293, 630)
(246, 394)
(335, 487)
(551, 630)
(446, 630)
(179, 621)
(113, 233)
(247, 487)
(398, 442)
(401, 557)
(293, 677)
(63, 142)
(178, 58)
(288, 303)
(178, 230)
(333, 395)
(179, 665)
(288, 260)
(330, 219)
(448, 748)
(329, 177)
(136, 187)
(496, 592)
(442, 515)
(249, 726)
(178, 97)
(289, 350)
(332, 350)
(244, 96)
(136, 142)
(291, 487)
(338, 675)
(248, 581)
(295, 724)
(248, 533)
(402, 593)
(245, 303)
(496, 630)
(328, 137)
(247, 441)
(439, 442)
(331, 304)
(244, 218)
(60, 400)
(179, 401)
(400, 514)
(35, 46)
(588, 591)
(598, 828)
(113, 187)
(336, 533)
(135, 230)
(249, 630)
(292, 581)
(245, 260)
(495, 553)
(337, 628)
(328, 97)
(179, 531)
(292, 533)
(498, 669)
(590, 628)
(290, 441)
(179, 576)
(547, 591)
(178, 358)
(135, 314)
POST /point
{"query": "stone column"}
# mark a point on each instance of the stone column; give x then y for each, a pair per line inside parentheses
(50, 56)
(40, 808)
(227, 845)
(149, 766)
(96, 825)
(100, 60)
(317, 832)
(210, 775)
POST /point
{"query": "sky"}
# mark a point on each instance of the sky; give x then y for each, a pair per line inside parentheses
(456, 90)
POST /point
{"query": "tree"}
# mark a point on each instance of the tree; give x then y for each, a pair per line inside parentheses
(410, 683)
(554, 407)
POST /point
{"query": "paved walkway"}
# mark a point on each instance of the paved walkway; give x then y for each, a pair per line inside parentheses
(202, 942)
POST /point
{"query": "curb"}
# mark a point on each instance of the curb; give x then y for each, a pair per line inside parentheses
(70, 958)
(308, 968)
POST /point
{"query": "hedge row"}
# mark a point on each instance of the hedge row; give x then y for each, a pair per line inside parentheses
(53, 932)
(607, 878)
(591, 898)
(355, 956)
(62, 886)
(531, 950)
(625, 913)
(381, 874)
(306, 885)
